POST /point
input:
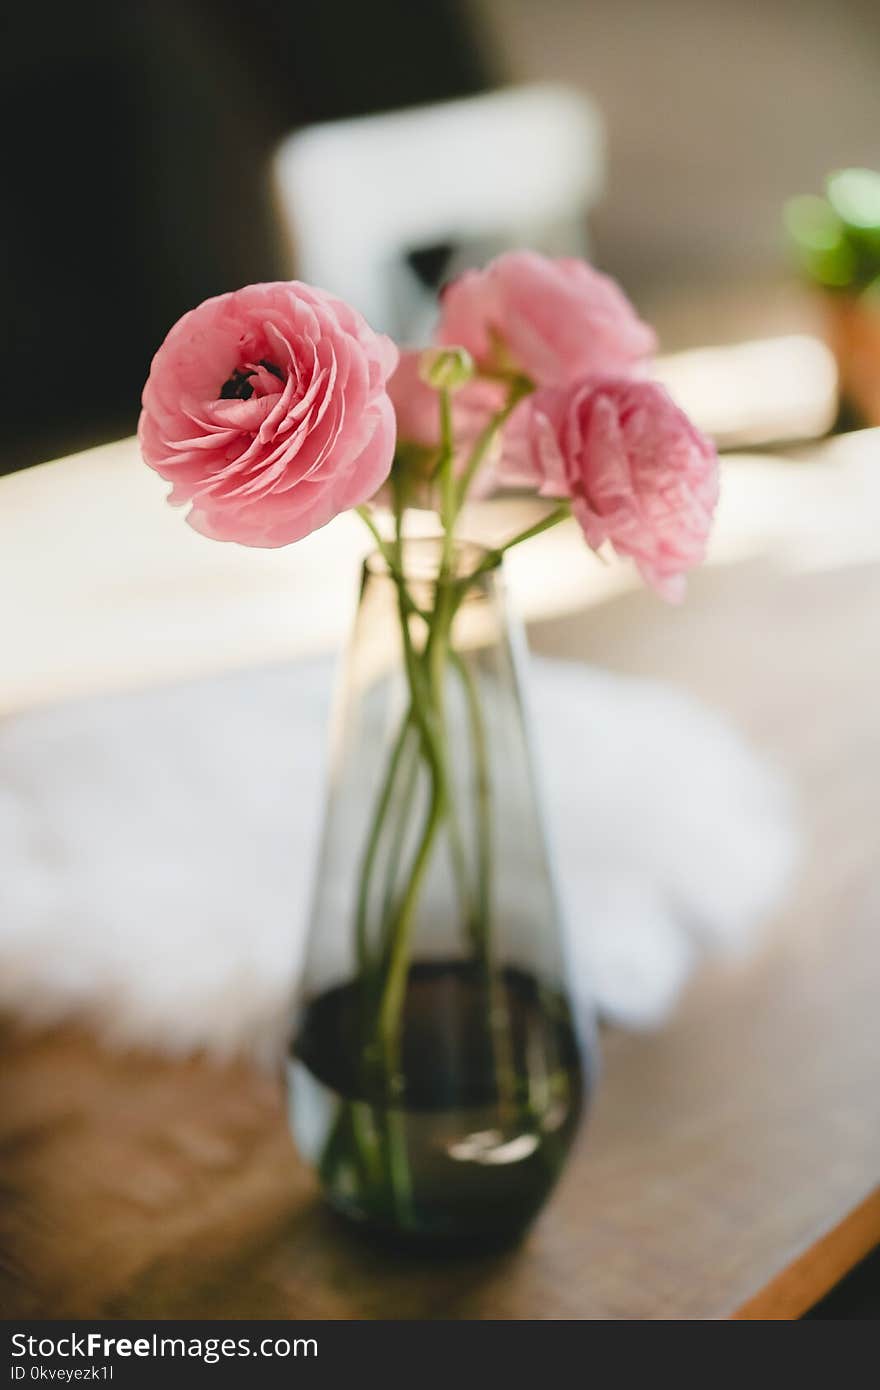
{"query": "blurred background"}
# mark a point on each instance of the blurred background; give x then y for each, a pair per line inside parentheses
(140, 141)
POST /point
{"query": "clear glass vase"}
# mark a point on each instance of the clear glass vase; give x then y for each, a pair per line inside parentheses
(437, 1074)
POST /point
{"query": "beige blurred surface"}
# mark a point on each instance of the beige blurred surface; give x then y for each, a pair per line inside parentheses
(102, 586)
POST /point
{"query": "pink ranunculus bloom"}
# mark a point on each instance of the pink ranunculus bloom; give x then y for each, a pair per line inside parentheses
(418, 415)
(554, 321)
(267, 410)
(637, 471)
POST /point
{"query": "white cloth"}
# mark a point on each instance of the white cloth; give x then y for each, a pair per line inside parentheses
(156, 849)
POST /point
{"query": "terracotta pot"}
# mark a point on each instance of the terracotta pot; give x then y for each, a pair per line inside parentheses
(853, 331)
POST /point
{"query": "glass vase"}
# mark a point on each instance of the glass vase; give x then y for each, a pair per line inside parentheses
(437, 1075)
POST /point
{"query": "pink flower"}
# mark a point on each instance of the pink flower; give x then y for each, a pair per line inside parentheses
(553, 320)
(637, 471)
(267, 411)
(418, 414)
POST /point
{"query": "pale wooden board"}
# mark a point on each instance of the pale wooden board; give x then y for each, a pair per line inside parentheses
(730, 1161)
(103, 586)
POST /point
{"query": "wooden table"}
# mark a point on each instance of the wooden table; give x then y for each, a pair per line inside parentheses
(731, 1165)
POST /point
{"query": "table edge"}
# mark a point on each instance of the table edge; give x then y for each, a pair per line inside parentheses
(814, 1271)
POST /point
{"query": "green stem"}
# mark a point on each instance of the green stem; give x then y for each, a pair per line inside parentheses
(419, 686)
(427, 707)
(481, 925)
(376, 826)
(393, 557)
(480, 922)
(399, 492)
(446, 473)
(398, 835)
(561, 512)
(423, 717)
(390, 1008)
(385, 550)
(402, 815)
(493, 558)
(442, 652)
(518, 388)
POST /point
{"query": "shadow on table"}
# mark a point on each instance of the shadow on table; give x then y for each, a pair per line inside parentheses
(314, 1265)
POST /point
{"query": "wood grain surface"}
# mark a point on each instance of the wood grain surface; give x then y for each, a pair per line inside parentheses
(731, 1163)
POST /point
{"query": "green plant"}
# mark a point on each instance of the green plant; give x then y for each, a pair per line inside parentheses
(836, 238)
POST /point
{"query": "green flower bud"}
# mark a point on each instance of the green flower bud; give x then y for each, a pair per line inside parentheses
(446, 369)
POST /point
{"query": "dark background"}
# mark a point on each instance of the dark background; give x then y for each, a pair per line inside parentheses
(135, 168)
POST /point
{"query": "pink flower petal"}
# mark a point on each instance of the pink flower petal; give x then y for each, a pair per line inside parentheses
(268, 410)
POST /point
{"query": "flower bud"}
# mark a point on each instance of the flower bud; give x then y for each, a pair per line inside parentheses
(446, 369)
